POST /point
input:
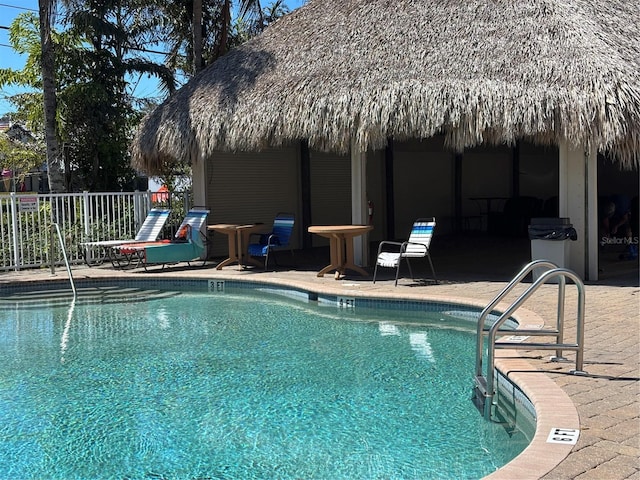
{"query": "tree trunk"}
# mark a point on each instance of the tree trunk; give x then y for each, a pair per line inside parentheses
(54, 163)
(226, 26)
(197, 36)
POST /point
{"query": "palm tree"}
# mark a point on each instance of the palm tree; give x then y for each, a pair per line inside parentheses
(197, 36)
(54, 162)
(225, 27)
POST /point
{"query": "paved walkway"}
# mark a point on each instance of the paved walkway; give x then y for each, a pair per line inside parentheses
(607, 398)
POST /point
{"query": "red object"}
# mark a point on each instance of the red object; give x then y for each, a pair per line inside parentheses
(161, 196)
(134, 247)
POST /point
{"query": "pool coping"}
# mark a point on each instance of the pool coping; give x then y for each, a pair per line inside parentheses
(554, 408)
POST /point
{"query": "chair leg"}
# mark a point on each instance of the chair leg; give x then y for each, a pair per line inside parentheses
(432, 269)
(398, 271)
(410, 271)
(375, 271)
(266, 259)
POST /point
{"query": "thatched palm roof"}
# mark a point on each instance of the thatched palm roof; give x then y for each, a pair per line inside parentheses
(490, 71)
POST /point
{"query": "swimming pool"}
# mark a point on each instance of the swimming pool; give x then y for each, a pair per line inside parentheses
(201, 385)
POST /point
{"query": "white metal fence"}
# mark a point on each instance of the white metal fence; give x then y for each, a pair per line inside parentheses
(26, 220)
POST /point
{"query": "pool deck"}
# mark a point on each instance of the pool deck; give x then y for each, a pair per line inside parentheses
(604, 404)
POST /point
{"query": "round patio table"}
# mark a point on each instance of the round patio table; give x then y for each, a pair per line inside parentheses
(341, 247)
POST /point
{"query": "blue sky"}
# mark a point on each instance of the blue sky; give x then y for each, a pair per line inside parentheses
(9, 9)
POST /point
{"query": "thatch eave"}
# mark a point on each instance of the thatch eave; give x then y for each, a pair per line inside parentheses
(482, 72)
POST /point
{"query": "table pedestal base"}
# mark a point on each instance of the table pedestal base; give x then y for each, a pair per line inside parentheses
(341, 248)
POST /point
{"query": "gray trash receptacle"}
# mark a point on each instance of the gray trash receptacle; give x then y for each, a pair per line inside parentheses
(550, 241)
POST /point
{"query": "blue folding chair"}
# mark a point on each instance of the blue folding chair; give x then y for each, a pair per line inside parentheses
(278, 239)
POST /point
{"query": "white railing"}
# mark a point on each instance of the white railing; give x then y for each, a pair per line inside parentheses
(26, 219)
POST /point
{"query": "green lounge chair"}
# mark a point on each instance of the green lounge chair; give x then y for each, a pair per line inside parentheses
(187, 245)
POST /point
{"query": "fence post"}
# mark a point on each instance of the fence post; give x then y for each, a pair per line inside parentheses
(137, 213)
(185, 201)
(52, 247)
(85, 217)
(14, 230)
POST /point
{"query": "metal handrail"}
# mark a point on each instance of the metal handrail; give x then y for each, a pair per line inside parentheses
(486, 384)
(498, 298)
(55, 228)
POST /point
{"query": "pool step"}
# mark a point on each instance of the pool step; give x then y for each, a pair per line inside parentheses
(89, 295)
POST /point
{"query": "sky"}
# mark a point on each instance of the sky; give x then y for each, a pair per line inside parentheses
(10, 9)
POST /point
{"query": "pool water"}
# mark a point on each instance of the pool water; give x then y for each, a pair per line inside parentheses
(239, 387)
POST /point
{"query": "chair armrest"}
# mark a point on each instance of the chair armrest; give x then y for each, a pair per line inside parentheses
(384, 243)
(273, 240)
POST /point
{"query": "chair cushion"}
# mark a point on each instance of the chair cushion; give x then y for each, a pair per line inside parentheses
(388, 259)
(258, 250)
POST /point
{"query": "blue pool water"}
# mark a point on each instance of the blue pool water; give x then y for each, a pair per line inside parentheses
(190, 386)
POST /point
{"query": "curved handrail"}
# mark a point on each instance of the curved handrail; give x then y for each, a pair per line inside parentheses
(489, 308)
(562, 273)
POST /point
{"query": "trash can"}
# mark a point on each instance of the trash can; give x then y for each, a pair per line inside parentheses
(550, 241)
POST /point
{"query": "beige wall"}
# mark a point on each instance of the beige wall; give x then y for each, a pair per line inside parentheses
(249, 187)
(330, 191)
(253, 187)
(376, 193)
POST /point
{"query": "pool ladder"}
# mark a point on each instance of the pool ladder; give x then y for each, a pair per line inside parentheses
(55, 231)
(485, 390)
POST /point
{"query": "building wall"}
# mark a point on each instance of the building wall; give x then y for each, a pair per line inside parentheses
(251, 187)
(330, 191)
(486, 173)
(538, 175)
(423, 184)
(377, 194)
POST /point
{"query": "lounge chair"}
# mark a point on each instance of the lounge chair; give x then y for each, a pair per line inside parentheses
(277, 239)
(149, 232)
(390, 254)
(187, 245)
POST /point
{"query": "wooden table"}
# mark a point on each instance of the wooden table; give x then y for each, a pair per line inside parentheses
(341, 246)
(238, 238)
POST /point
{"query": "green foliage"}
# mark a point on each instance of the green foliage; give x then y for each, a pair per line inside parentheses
(21, 158)
(25, 41)
(253, 20)
(96, 55)
(95, 117)
(35, 246)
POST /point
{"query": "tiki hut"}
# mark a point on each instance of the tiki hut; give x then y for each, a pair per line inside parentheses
(367, 70)
(348, 76)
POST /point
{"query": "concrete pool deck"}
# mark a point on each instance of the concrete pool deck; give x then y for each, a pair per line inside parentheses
(606, 400)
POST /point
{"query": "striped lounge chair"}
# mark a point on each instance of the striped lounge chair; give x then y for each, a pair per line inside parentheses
(149, 231)
(187, 245)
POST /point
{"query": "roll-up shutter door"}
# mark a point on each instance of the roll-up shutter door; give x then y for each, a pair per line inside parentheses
(330, 191)
(251, 187)
(423, 187)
